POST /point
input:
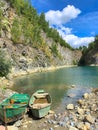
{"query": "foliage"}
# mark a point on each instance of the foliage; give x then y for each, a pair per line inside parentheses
(75, 62)
(54, 49)
(43, 23)
(85, 50)
(18, 5)
(1, 16)
(30, 25)
(92, 45)
(51, 32)
(5, 65)
(16, 31)
(25, 29)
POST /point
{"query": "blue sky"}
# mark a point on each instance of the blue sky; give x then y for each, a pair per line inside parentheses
(75, 20)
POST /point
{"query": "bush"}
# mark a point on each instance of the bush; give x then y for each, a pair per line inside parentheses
(5, 65)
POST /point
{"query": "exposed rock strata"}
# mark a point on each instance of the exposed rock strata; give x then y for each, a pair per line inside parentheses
(26, 58)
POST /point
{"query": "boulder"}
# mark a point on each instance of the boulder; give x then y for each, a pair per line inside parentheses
(80, 102)
(87, 125)
(70, 107)
(86, 95)
(80, 126)
(90, 119)
(80, 111)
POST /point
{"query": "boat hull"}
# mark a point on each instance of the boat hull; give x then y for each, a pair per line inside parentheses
(13, 108)
(40, 104)
(39, 113)
(12, 114)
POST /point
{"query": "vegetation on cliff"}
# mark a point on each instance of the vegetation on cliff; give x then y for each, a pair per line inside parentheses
(26, 29)
(5, 64)
(90, 53)
(28, 39)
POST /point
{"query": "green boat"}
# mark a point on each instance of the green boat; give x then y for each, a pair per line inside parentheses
(14, 107)
(40, 103)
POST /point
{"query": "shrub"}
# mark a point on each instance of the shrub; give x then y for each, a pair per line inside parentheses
(5, 65)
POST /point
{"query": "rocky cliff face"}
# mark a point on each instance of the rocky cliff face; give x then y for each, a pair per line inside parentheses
(90, 54)
(24, 57)
(91, 58)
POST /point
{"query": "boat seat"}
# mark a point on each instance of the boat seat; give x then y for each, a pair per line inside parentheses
(40, 95)
(39, 106)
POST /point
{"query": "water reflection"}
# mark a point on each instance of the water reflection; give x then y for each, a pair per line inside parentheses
(57, 82)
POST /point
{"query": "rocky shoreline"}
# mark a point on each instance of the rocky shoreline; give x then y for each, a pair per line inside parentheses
(83, 116)
(8, 82)
(80, 116)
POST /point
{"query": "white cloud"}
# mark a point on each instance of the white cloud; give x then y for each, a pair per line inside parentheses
(73, 40)
(61, 17)
(76, 41)
(63, 30)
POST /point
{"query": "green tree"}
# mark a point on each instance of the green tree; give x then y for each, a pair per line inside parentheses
(16, 31)
(54, 49)
(43, 23)
(1, 17)
(5, 65)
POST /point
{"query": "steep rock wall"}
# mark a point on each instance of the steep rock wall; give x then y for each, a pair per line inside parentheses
(25, 57)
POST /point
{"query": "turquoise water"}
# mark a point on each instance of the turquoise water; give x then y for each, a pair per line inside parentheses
(58, 83)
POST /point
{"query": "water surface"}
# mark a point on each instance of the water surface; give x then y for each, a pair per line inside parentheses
(58, 83)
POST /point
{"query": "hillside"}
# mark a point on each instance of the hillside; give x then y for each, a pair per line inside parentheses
(28, 42)
(90, 54)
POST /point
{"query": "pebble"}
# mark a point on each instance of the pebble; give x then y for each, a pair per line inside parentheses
(60, 123)
(25, 126)
(72, 123)
(56, 126)
(18, 123)
(50, 121)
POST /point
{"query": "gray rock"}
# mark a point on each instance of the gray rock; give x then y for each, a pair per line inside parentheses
(72, 123)
(66, 119)
(50, 121)
(60, 123)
